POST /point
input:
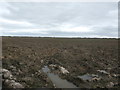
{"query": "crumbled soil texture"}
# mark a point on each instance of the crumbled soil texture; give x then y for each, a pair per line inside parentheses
(28, 55)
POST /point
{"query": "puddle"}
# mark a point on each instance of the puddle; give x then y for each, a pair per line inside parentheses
(46, 69)
(59, 83)
(85, 77)
(89, 77)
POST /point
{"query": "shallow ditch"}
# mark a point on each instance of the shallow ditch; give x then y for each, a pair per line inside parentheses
(56, 80)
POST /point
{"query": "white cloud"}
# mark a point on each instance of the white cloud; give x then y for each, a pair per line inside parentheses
(88, 19)
(77, 29)
(1, 29)
(4, 11)
(68, 28)
(113, 13)
(15, 22)
(4, 8)
(102, 36)
(28, 30)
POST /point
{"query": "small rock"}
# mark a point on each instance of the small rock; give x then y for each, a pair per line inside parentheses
(16, 85)
(20, 72)
(27, 79)
(96, 79)
(14, 78)
(41, 61)
(103, 72)
(12, 67)
(2, 57)
(53, 66)
(3, 70)
(54, 86)
(63, 70)
(115, 75)
(94, 75)
(39, 71)
(32, 75)
(17, 73)
(11, 77)
(110, 85)
(7, 81)
(6, 73)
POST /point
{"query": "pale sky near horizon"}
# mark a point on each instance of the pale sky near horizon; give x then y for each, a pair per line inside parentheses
(46, 19)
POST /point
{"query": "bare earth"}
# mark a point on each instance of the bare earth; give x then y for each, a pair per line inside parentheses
(84, 63)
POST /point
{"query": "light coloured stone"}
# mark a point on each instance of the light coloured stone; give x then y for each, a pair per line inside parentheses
(16, 85)
(63, 70)
(110, 85)
(41, 61)
(6, 73)
(103, 72)
(96, 79)
(8, 79)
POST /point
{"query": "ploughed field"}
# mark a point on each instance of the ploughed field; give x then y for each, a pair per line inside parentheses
(60, 62)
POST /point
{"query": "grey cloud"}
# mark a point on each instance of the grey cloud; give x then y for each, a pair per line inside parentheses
(51, 15)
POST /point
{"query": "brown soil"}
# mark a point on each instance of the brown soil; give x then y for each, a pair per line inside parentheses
(79, 56)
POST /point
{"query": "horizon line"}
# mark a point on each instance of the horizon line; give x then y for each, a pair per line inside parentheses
(64, 37)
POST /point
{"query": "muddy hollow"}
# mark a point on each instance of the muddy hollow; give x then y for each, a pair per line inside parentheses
(59, 62)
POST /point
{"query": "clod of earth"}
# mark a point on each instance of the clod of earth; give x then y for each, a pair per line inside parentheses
(15, 85)
(63, 70)
(110, 85)
(9, 80)
(6, 73)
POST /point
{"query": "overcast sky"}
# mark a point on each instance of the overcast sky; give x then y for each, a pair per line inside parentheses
(59, 19)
